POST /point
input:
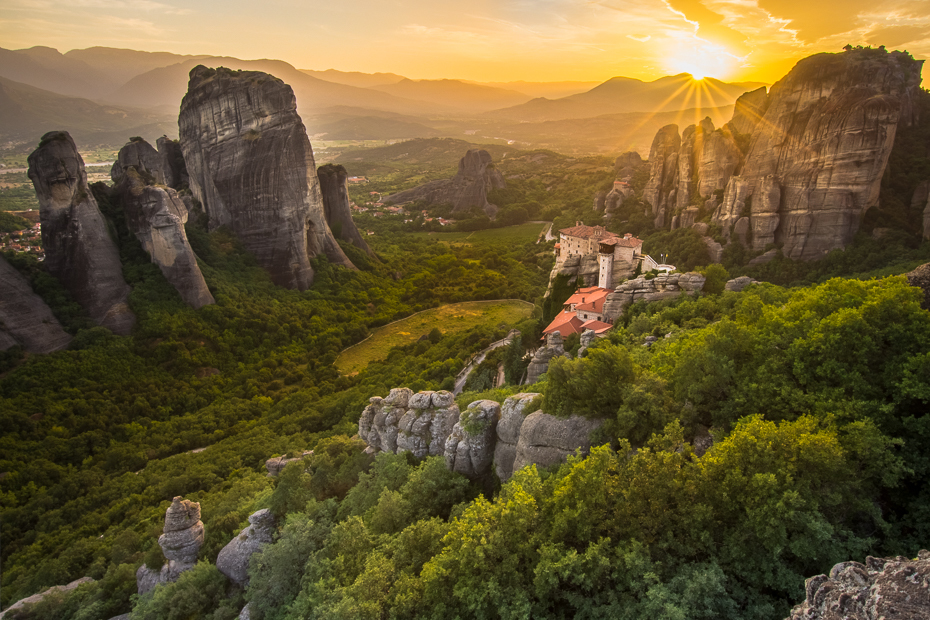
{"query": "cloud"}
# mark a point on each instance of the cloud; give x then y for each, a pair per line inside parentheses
(897, 36)
(642, 38)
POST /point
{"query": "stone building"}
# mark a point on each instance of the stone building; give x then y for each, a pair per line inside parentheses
(614, 253)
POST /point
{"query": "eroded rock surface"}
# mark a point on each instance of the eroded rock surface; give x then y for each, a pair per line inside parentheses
(181, 541)
(233, 559)
(142, 156)
(404, 421)
(920, 278)
(749, 110)
(661, 190)
(664, 286)
(546, 440)
(79, 250)
(466, 190)
(882, 588)
(156, 216)
(25, 319)
(469, 449)
(540, 362)
(334, 186)
(513, 413)
(36, 598)
(251, 166)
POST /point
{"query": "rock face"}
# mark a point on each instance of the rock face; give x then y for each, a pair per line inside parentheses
(920, 278)
(663, 174)
(738, 284)
(661, 287)
(817, 157)
(78, 248)
(513, 413)
(469, 449)
(881, 588)
(35, 598)
(172, 162)
(25, 319)
(546, 440)
(142, 156)
(466, 190)
(404, 421)
(540, 362)
(233, 559)
(749, 110)
(156, 216)
(276, 465)
(251, 166)
(181, 542)
(334, 186)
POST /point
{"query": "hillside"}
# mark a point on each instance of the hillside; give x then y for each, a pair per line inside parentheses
(462, 96)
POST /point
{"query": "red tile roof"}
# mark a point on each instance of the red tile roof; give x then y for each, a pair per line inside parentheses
(599, 327)
(566, 323)
(623, 242)
(589, 295)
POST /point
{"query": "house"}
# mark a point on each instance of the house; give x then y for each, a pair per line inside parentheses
(611, 249)
(583, 310)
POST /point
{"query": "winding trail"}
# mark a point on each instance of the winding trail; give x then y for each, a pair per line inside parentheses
(462, 377)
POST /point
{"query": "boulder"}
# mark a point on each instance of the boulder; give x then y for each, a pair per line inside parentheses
(275, 465)
(513, 413)
(407, 422)
(79, 250)
(546, 440)
(181, 541)
(233, 559)
(469, 449)
(25, 319)
(920, 278)
(896, 587)
(466, 190)
(156, 216)
(251, 166)
(334, 186)
(587, 337)
(738, 284)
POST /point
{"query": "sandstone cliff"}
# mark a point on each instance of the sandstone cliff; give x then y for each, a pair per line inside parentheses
(79, 250)
(818, 154)
(25, 319)
(251, 166)
(749, 110)
(466, 190)
(663, 173)
(156, 216)
(334, 186)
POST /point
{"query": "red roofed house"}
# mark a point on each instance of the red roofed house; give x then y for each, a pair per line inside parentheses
(613, 251)
(583, 310)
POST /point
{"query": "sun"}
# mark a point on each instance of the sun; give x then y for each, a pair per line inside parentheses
(699, 58)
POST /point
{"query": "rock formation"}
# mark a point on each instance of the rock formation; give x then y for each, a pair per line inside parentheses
(513, 413)
(79, 250)
(881, 588)
(156, 216)
(817, 157)
(469, 449)
(466, 190)
(664, 286)
(920, 278)
(36, 598)
(172, 162)
(587, 337)
(418, 423)
(661, 190)
(738, 284)
(540, 362)
(139, 154)
(181, 542)
(233, 559)
(749, 110)
(546, 440)
(334, 186)
(276, 465)
(25, 319)
(251, 166)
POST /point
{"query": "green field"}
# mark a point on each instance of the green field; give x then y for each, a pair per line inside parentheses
(519, 234)
(449, 319)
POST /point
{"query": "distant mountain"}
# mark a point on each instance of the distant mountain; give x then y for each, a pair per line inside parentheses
(455, 94)
(622, 95)
(122, 64)
(373, 128)
(26, 113)
(355, 78)
(166, 86)
(45, 68)
(550, 90)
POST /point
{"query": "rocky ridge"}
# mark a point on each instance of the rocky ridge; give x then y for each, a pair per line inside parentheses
(664, 286)
(466, 190)
(79, 250)
(25, 319)
(251, 166)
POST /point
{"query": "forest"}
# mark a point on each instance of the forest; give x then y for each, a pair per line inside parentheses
(812, 386)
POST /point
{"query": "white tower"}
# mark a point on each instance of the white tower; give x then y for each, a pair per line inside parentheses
(605, 260)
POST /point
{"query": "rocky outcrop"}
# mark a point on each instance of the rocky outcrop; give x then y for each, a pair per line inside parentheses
(36, 598)
(816, 158)
(888, 588)
(664, 286)
(513, 413)
(749, 110)
(181, 541)
(546, 440)
(156, 216)
(719, 159)
(661, 189)
(627, 164)
(469, 449)
(540, 362)
(172, 162)
(233, 559)
(738, 284)
(587, 337)
(276, 464)
(25, 319)
(920, 278)
(467, 190)
(251, 166)
(79, 250)
(404, 421)
(334, 186)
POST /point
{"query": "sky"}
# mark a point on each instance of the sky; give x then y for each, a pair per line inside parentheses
(482, 40)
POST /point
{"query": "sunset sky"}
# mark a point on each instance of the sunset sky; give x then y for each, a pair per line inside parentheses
(500, 40)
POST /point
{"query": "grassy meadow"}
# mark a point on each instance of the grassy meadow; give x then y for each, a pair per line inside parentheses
(519, 234)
